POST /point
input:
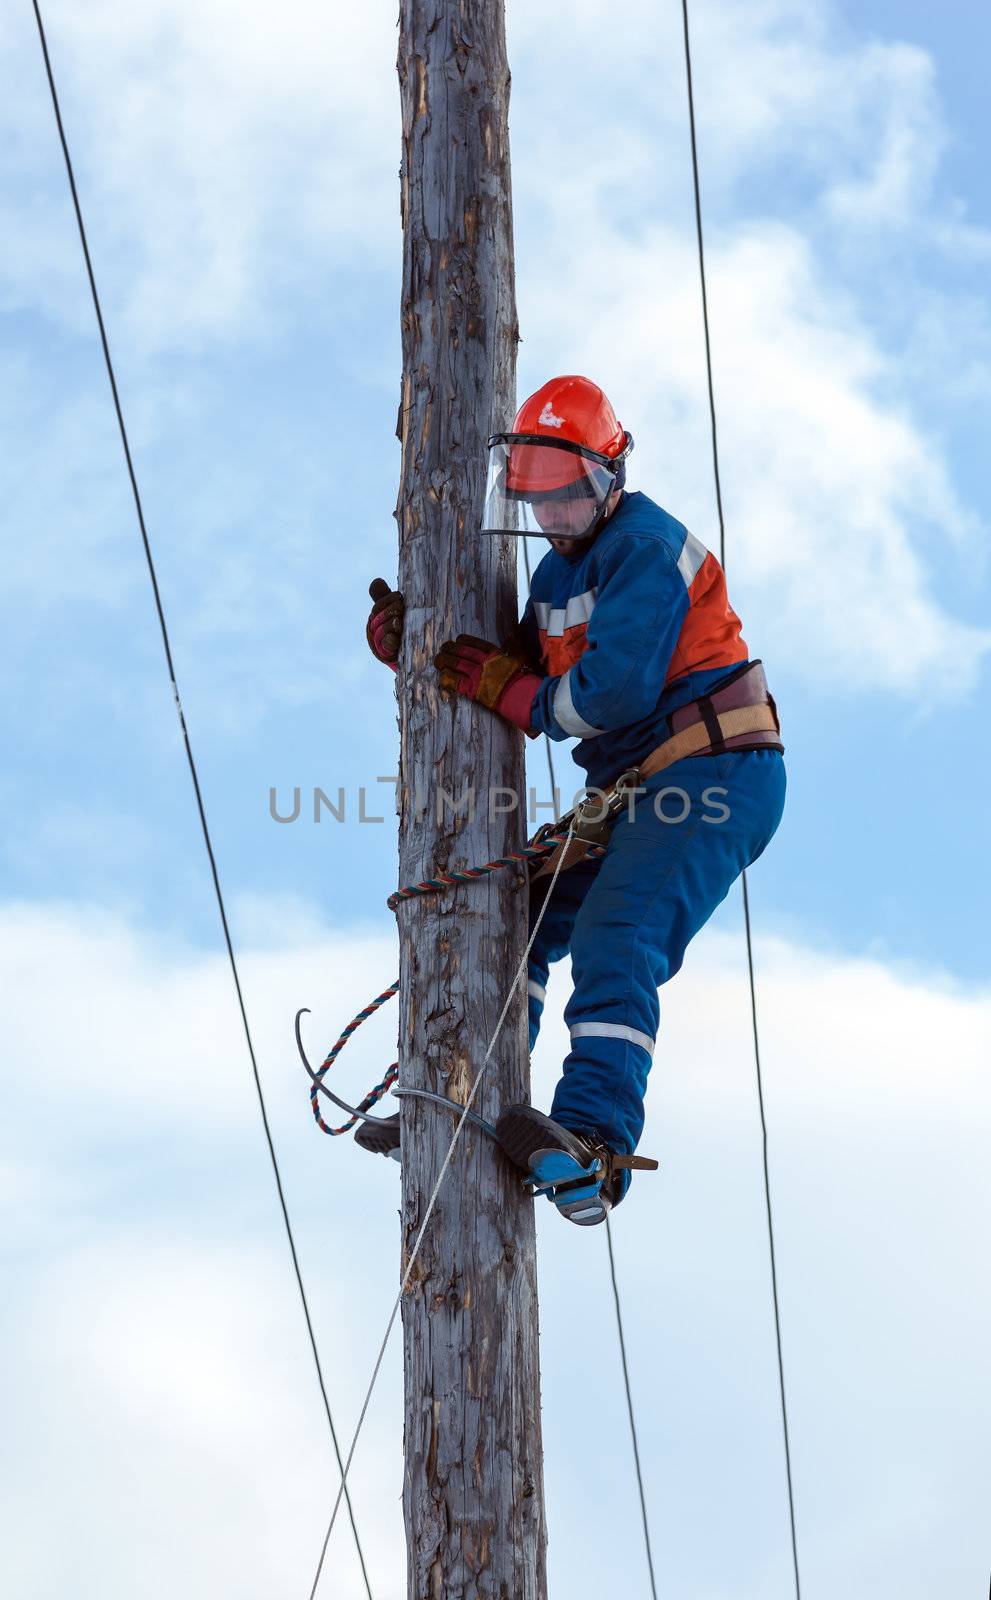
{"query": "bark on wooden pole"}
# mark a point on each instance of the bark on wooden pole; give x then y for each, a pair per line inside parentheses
(473, 1488)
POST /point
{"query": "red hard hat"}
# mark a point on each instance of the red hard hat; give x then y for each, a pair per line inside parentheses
(570, 408)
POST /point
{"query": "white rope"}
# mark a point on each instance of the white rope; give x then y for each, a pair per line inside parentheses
(612, 1259)
(520, 972)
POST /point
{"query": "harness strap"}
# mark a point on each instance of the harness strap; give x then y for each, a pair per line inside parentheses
(707, 733)
(634, 1163)
(697, 739)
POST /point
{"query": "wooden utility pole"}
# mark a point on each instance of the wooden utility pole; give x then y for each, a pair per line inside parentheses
(473, 1488)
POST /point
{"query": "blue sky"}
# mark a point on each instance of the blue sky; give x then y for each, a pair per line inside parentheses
(238, 172)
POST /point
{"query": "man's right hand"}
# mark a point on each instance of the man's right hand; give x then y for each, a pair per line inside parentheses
(384, 630)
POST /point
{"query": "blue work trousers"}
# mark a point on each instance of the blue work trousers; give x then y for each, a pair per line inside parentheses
(627, 920)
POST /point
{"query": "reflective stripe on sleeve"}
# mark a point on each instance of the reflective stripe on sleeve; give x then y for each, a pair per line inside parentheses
(567, 716)
(536, 989)
(690, 561)
(613, 1030)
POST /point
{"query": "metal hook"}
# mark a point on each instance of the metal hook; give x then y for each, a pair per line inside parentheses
(318, 1081)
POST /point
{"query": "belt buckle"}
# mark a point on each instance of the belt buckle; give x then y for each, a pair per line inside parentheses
(630, 779)
(593, 817)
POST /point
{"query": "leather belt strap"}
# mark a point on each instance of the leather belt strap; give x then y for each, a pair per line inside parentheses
(691, 741)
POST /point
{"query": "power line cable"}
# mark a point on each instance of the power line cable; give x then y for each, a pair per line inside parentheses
(192, 765)
(629, 1407)
(705, 295)
(746, 897)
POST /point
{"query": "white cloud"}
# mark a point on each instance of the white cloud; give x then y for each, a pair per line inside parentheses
(904, 141)
(164, 1383)
(212, 147)
(171, 1375)
(161, 1378)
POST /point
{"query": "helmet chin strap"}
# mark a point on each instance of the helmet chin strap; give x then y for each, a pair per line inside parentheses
(604, 514)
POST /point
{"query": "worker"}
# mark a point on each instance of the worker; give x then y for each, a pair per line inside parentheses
(628, 643)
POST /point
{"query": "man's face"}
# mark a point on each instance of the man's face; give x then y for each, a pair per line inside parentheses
(565, 522)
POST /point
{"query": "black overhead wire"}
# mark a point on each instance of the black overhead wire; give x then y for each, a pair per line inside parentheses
(629, 1407)
(705, 296)
(192, 768)
(746, 897)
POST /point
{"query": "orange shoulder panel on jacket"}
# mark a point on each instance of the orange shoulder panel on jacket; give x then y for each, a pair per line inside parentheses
(711, 632)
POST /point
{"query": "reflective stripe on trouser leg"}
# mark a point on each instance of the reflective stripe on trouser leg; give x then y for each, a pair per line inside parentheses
(536, 994)
(658, 884)
(613, 1030)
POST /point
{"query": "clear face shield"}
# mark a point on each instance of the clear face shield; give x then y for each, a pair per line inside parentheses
(548, 487)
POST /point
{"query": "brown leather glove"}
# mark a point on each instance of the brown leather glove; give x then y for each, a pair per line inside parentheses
(384, 629)
(484, 673)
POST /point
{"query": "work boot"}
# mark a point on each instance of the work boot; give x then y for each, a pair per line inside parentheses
(574, 1170)
(380, 1137)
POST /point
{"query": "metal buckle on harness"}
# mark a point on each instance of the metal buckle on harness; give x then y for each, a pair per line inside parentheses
(593, 816)
(590, 821)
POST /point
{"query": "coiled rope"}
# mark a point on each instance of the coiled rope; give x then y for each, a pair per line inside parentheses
(531, 852)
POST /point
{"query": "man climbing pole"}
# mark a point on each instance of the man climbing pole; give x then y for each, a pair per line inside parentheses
(629, 643)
